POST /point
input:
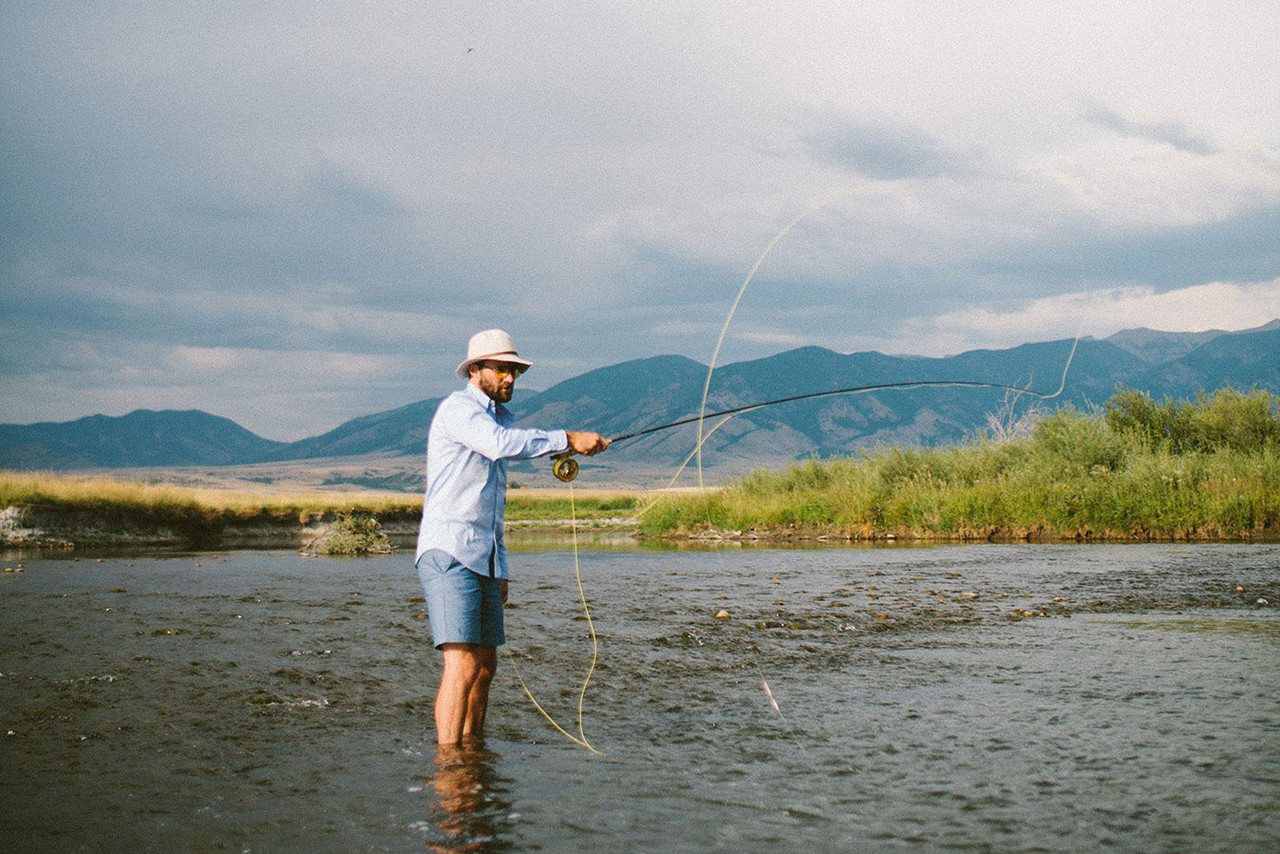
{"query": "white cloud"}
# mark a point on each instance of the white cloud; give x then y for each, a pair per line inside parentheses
(1218, 305)
(279, 394)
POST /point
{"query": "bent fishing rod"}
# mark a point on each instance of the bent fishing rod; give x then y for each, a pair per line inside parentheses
(565, 467)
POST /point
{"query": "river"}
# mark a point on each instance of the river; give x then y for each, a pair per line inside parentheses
(1004, 698)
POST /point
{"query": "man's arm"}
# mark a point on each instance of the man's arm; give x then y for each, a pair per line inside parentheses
(478, 431)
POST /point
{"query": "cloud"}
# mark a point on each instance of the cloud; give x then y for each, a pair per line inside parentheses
(349, 195)
(1170, 132)
(1242, 246)
(883, 151)
(279, 394)
(198, 202)
(1217, 305)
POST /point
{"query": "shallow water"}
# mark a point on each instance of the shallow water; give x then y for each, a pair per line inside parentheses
(973, 698)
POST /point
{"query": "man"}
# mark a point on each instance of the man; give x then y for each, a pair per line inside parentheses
(461, 557)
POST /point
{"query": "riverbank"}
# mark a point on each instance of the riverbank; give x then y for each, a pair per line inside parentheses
(1136, 471)
(116, 529)
(61, 513)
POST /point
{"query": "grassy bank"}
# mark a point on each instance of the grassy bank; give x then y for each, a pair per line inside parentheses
(1134, 469)
(66, 491)
(54, 490)
(59, 511)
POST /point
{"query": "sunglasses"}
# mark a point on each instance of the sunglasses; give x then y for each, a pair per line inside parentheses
(503, 371)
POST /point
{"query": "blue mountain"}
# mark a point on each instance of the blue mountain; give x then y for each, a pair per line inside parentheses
(624, 398)
(141, 438)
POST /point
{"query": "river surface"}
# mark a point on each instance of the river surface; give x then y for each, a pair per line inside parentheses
(1003, 698)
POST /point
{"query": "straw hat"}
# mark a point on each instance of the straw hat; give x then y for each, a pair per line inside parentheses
(491, 344)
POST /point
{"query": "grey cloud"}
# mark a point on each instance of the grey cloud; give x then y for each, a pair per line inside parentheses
(1240, 248)
(883, 151)
(1172, 133)
(307, 179)
(1244, 247)
(350, 196)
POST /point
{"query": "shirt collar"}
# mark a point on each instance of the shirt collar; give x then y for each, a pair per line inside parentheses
(490, 405)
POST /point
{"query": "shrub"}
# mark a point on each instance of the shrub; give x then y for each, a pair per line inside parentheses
(1230, 419)
(1137, 469)
(354, 534)
(1067, 440)
(1226, 419)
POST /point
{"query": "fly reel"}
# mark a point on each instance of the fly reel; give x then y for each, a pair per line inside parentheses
(564, 467)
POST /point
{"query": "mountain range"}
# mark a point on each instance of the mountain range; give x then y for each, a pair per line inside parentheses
(630, 396)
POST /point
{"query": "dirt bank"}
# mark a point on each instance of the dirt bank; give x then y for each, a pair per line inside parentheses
(74, 528)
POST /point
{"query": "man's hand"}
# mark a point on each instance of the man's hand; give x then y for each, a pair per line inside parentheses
(587, 444)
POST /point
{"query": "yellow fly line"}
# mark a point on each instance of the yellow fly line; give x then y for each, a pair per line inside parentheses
(581, 738)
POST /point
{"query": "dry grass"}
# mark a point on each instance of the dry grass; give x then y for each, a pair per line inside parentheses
(52, 489)
(71, 490)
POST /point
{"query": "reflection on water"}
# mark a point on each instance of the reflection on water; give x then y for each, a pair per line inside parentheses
(468, 808)
(979, 698)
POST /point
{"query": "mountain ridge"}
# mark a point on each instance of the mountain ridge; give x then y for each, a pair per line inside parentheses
(629, 396)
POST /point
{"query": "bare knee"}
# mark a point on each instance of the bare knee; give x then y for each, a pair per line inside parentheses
(470, 663)
(487, 663)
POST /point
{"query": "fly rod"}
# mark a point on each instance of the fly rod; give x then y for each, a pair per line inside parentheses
(565, 467)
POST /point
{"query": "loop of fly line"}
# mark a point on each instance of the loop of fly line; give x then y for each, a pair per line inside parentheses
(581, 738)
(566, 468)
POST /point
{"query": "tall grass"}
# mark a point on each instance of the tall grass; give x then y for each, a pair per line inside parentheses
(1117, 473)
(523, 506)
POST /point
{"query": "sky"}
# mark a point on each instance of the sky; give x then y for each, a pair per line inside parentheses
(292, 214)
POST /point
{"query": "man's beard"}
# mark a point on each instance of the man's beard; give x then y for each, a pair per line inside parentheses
(497, 390)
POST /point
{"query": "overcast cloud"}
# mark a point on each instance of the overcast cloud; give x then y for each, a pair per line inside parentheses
(295, 213)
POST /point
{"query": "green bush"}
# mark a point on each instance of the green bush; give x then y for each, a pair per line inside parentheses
(1242, 422)
(1227, 419)
(1073, 443)
(1137, 469)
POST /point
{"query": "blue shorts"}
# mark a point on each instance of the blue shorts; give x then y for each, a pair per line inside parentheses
(464, 607)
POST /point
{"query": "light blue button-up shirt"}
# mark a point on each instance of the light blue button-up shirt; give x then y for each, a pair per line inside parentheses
(470, 441)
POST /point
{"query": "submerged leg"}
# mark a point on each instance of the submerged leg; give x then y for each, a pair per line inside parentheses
(463, 697)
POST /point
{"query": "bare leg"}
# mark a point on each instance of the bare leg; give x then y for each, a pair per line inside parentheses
(478, 701)
(463, 697)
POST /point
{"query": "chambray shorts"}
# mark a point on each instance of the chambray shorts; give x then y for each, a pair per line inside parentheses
(463, 606)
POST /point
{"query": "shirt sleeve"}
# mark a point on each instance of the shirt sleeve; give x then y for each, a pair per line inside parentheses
(478, 429)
